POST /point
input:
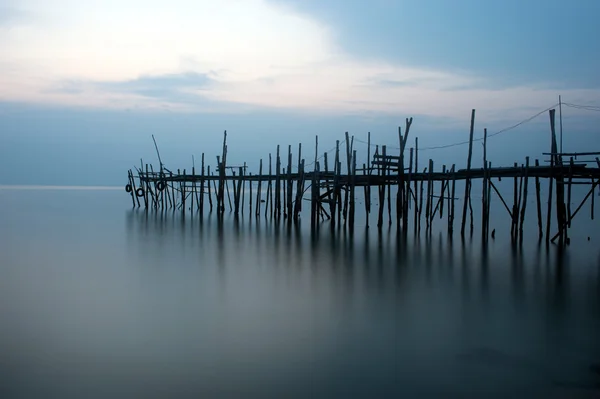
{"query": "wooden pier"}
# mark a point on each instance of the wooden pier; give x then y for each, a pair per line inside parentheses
(332, 193)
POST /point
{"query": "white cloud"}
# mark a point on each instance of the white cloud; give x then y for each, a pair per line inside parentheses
(256, 53)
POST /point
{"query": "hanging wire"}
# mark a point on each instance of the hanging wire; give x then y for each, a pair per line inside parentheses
(439, 147)
(583, 107)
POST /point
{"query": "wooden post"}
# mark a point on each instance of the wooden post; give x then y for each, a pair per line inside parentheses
(131, 185)
(314, 196)
(421, 197)
(444, 186)
(415, 192)
(429, 195)
(146, 186)
(259, 191)
(270, 188)
(339, 195)
(348, 169)
(451, 207)
(549, 214)
(243, 188)
(250, 196)
(569, 191)
(389, 201)
(408, 189)
(289, 185)
(278, 184)
(335, 183)
(489, 197)
(222, 165)
(352, 193)
(285, 195)
(368, 186)
(299, 191)
(202, 181)
(182, 187)
(218, 189)
(524, 199)
(484, 189)
(327, 190)
(515, 210)
(402, 209)
(592, 204)
(382, 188)
(468, 179)
(538, 202)
(240, 188)
(366, 192)
(560, 187)
(228, 196)
(193, 190)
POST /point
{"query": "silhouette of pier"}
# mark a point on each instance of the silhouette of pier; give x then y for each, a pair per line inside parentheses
(421, 193)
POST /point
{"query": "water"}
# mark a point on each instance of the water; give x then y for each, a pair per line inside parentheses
(98, 300)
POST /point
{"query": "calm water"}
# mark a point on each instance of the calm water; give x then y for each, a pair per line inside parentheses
(97, 300)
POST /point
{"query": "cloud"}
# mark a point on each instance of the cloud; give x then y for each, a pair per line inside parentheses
(10, 15)
(174, 87)
(202, 55)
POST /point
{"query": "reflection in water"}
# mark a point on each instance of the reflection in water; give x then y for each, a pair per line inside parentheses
(171, 305)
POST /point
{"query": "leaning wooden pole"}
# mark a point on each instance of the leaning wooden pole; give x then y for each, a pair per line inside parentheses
(468, 179)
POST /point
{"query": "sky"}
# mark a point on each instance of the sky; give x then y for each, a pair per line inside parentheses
(84, 84)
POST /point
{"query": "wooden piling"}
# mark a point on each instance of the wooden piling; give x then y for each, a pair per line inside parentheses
(269, 189)
(538, 202)
(408, 190)
(335, 184)
(250, 196)
(289, 185)
(451, 206)
(524, 199)
(352, 192)
(421, 201)
(468, 179)
(210, 202)
(240, 188)
(202, 182)
(243, 188)
(131, 185)
(428, 208)
(278, 184)
(368, 186)
(382, 189)
(484, 186)
(415, 191)
(259, 190)
(348, 170)
(569, 191)
(444, 186)
(515, 211)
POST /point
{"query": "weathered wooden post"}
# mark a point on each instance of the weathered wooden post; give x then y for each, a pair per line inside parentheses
(468, 178)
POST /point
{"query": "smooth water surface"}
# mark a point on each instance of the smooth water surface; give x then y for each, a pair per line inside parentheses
(98, 300)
